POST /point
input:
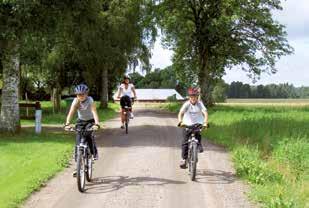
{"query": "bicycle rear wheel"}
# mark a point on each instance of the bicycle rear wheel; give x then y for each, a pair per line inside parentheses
(193, 161)
(80, 171)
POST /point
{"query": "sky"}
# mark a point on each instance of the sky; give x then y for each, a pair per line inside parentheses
(293, 69)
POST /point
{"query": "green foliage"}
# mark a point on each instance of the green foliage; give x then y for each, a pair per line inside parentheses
(171, 98)
(219, 93)
(172, 107)
(159, 79)
(240, 90)
(248, 164)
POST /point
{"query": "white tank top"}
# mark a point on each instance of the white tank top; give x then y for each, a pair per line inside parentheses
(127, 91)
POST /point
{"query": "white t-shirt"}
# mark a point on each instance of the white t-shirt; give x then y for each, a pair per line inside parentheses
(127, 91)
(193, 114)
(84, 108)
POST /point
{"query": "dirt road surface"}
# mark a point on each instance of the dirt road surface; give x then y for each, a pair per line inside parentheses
(141, 169)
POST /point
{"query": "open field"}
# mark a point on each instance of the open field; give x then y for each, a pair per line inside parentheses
(292, 102)
(269, 146)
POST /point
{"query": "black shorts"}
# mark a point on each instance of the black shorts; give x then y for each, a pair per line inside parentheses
(125, 101)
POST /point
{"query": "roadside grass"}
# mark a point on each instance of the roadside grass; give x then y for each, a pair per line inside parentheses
(270, 149)
(48, 117)
(28, 160)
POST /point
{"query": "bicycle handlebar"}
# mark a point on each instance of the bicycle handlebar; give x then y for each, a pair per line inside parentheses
(181, 125)
(79, 130)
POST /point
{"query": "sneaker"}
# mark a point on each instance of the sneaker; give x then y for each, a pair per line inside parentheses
(131, 116)
(122, 126)
(74, 173)
(183, 164)
(95, 156)
(200, 147)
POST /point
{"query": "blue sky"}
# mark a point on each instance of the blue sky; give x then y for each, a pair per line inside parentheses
(293, 69)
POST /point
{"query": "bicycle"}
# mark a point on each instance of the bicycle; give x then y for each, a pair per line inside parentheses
(84, 162)
(193, 148)
(127, 114)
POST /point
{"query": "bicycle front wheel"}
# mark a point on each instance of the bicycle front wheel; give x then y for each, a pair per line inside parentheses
(80, 171)
(89, 168)
(127, 123)
(193, 161)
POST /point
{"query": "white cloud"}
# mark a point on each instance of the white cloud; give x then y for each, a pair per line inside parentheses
(161, 57)
(295, 16)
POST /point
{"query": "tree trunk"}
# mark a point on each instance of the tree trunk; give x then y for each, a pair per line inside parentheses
(205, 81)
(104, 91)
(56, 99)
(10, 118)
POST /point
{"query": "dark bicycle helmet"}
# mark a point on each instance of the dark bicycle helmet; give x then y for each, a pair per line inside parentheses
(193, 91)
(126, 77)
(81, 89)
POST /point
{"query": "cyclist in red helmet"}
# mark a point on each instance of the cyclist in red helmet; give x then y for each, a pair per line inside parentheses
(192, 112)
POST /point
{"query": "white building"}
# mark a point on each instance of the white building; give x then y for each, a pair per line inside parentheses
(156, 95)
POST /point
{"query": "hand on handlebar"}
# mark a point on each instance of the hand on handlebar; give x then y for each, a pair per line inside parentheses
(67, 127)
(205, 125)
(95, 127)
(180, 124)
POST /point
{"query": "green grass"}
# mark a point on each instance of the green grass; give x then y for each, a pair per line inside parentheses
(270, 149)
(28, 160)
(48, 117)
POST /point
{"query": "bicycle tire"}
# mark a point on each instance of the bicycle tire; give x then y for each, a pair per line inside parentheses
(89, 169)
(193, 161)
(127, 123)
(80, 169)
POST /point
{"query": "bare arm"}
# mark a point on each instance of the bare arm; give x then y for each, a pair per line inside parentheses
(119, 92)
(95, 113)
(180, 116)
(134, 92)
(70, 114)
(205, 113)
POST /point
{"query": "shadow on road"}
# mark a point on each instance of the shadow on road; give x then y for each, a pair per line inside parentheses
(215, 177)
(114, 183)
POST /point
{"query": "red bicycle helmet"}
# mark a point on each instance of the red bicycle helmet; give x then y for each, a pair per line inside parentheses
(193, 91)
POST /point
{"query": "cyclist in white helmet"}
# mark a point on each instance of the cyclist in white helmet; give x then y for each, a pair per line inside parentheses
(87, 117)
(125, 95)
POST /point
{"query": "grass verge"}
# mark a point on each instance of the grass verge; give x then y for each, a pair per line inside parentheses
(270, 149)
(28, 160)
(48, 117)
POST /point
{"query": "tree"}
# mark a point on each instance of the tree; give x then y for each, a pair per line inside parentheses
(19, 19)
(210, 36)
(220, 92)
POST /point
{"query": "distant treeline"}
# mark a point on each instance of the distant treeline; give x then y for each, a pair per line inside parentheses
(166, 78)
(241, 90)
